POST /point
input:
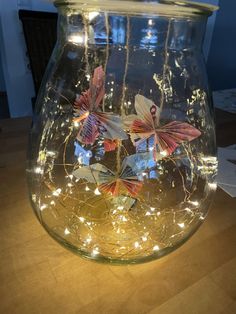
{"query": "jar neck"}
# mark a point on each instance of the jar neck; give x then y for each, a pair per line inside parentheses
(143, 32)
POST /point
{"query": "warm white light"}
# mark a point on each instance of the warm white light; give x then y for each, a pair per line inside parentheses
(88, 240)
(87, 188)
(144, 238)
(66, 231)
(136, 244)
(70, 185)
(195, 203)
(38, 170)
(95, 251)
(147, 214)
(156, 248)
(77, 39)
(76, 124)
(188, 210)
(81, 219)
(123, 218)
(92, 15)
(152, 209)
(150, 22)
(120, 207)
(163, 153)
(97, 192)
(42, 207)
(181, 225)
(51, 153)
(212, 186)
(52, 203)
(57, 192)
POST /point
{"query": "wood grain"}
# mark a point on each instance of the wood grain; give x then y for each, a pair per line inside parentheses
(39, 276)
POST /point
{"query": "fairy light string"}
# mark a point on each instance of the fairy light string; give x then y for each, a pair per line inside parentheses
(122, 226)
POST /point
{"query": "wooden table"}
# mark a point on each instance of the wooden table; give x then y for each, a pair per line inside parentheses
(39, 276)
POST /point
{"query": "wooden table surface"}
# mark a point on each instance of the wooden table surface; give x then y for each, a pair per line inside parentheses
(39, 276)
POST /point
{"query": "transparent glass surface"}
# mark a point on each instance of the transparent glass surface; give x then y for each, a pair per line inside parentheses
(122, 156)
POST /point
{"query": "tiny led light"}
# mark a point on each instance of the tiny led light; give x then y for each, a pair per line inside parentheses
(123, 218)
(76, 124)
(188, 210)
(181, 224)
(57, 192)
(195, 203)
(88, 240)
(212, 186)
(97, 192)
(163, 153)
(51, 153)
(77, 39)
(156, 248)
(95, 251)
(66, 231)
(92, 15)
(42, 207)
(38, 170)
(136, 244)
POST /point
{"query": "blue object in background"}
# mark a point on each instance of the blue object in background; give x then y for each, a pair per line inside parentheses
(221, 63)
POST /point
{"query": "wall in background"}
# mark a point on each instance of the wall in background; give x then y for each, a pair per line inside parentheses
(221, 64)
(2, 80)
(39, 5)
(17, 76)
(14, 62)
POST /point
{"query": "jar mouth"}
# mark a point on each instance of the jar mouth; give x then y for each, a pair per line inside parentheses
(152, 7)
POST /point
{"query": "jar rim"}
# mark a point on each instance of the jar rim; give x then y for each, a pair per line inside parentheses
(152, 7)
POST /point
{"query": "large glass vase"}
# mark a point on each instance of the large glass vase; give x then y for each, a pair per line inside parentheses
(122, 156)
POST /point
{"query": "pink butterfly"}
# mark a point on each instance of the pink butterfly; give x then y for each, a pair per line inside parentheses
(110, 182)
(93, 121)
(146, 126)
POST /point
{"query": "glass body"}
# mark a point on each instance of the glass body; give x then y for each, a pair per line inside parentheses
(122, 156)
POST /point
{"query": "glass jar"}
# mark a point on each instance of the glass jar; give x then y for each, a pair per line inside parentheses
(122, 156)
